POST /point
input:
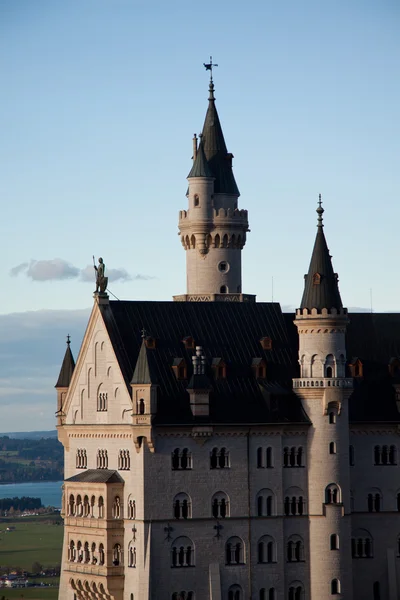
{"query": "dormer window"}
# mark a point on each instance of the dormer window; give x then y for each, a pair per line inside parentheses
(196, 200)
(259, 368)
(150, 342)
(316, 279)
(188, 342)
(218, 366)
(266, 343)
(179, 368)
(394, 366)
(356, 367)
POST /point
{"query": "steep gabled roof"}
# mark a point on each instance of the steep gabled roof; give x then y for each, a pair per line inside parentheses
(321, 288)
(200, 166)
(144, 370)
(67, 368)
(220, 162)
(230, 331)
(97, 476)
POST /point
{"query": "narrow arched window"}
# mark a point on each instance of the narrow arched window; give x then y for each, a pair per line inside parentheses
(335, 586)
(259, 458)
(332, 448)
(141, 407)
(269, 457)
(377, 590)
(334, 541)
(332, 418)
(223, 289)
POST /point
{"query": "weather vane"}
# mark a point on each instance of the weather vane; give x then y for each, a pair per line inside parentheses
(209, 67)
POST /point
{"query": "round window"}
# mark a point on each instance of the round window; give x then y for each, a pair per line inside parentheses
(223, 266)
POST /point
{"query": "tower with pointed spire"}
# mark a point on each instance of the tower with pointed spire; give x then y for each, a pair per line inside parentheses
(64, 379)
(213, 229)
(324, 390)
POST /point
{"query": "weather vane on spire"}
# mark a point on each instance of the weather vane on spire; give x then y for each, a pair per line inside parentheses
(209, 67)
(320, 211)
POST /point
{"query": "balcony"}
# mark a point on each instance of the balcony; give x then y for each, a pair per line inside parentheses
(326, 382)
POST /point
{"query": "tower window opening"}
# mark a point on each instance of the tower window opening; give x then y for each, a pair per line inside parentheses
(334, 542)
(332, 448)
(223, 266)
(332, 418)
(377, 590)
(196, 200)
(335, 587)
(223, 289)
(329, 372)
(374, 502)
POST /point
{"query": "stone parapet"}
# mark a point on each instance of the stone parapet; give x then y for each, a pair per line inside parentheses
(215, 298)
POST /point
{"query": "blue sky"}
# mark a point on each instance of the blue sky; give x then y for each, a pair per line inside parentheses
(100, 100)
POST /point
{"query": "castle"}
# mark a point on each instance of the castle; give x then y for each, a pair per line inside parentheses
(218, 449)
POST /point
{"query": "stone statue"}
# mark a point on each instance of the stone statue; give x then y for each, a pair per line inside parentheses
(101, 281)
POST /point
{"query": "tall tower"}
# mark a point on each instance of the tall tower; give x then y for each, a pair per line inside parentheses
(213, 229)
(324, 390)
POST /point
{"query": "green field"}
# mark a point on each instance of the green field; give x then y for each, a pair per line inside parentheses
(30, 593)
(34, 540)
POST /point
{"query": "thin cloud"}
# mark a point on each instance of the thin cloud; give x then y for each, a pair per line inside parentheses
(58, 269)
(47, 270)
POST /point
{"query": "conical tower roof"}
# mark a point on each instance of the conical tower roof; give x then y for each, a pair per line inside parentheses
(67, 368)
(321, 288)
(215, 150)
(200, 166)
(144, 370)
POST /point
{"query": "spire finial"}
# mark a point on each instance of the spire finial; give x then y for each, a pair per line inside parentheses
(320, 211)
(68, 340)
(209, 67)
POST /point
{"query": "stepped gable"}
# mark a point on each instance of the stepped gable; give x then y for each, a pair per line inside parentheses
(97, 476)
(228, 330)
(374, 338)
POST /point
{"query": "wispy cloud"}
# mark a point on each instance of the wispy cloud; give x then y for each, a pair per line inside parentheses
(58, 269)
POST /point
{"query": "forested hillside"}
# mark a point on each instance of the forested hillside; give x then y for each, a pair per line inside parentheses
(24, 460)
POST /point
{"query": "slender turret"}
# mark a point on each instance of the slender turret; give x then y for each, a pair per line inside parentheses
(324, 390)
(213, 229)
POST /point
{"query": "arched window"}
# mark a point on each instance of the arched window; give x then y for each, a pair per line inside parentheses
(295, 549)
(374, 501)
(131, 509)
(182, 506)
(101, 507)
(79, 551)
(181, 459)
(330, 366)
(335, 587)
(361, 544)
(131, 556)
(71, 505)
(294, 502)
(196, 200)
(332, 448)
(93, 550)
(393, 455)
(267, 595)
(220, 505)
(269, 457)
(117, 555)
(182, 553)
(332, 494)
(260, 453)
(332, 418)
(265, 503)
(234, 551)
(334, 541)
(71, 551)
(79, 507)
(86, 506)
(141, 407)
(293, 457)
(217, 241)
(223, 289)
(266, 550)
(219, 458)
(117, 508)
(296, 591)
(101, 554)
(235, 592)
(86, 553)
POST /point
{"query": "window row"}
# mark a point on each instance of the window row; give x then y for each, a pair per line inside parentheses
(94, 507)
(90, 553)
(385, 455)
(265, 505)
(81, 459)
(181, 458)
(124, 460)
(182, 551)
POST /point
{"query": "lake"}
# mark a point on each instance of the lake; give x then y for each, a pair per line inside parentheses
(48, 491)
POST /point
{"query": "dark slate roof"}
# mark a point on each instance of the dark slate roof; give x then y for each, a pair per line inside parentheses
(374, 339)
(67, 368)
(325, 293)
(199, 382)
(231, 331)
(144, 369)
(97, 476)
(216, 152)
(200, 167)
